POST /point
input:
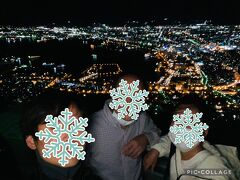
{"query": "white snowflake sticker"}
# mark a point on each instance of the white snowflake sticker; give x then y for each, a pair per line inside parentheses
(70, 127)
(135, 103)
(188, 128)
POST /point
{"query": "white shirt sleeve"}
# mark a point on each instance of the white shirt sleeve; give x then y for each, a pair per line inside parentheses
(163, 147)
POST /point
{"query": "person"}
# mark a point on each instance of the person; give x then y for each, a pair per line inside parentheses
(33, 121)
(201, 156)
(117, 152)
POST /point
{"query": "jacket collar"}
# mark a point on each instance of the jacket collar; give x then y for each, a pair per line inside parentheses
(55, 172)
(109, 114)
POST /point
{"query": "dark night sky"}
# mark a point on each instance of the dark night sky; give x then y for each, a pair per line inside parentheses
(117, 11)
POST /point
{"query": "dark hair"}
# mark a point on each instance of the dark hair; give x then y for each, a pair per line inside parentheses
(194, 101)
(139, 77)
(39, 108)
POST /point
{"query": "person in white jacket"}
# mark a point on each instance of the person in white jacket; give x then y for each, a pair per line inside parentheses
(202, 161)
(120, 143)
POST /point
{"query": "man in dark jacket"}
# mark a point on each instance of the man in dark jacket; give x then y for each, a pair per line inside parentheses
(46, 168)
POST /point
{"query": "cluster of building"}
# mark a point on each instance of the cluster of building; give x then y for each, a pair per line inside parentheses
(198, 58)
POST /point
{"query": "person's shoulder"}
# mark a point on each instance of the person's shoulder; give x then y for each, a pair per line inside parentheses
(145, 115)
(97, 115)
(96, 120)
(87, 173)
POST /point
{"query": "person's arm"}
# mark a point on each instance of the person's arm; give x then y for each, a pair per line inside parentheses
(151, 131)
(163, 147)
(158, 150)
(150, 136)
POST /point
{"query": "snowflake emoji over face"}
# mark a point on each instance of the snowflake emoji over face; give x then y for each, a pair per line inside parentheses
(188, 128)
(64, 137)
(128, 100)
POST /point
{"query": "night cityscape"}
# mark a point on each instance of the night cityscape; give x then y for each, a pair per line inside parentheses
(174, 56)
(199, 58)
